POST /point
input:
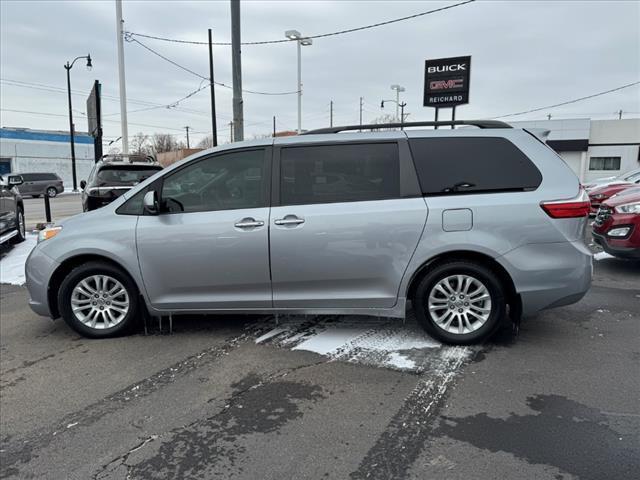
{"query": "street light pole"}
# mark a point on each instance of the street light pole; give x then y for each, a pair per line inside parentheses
(68, 66)
(301, 42)
(398, 89)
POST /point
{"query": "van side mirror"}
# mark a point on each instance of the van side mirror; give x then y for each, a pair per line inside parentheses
(15, 180)
(83, 184)
(150, 203)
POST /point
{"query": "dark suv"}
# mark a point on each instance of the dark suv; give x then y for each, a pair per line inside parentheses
(112, 176)
(36, 184)
(11, 210)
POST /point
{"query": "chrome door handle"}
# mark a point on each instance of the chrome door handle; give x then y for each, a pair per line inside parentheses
(249, 223)
(289, 221)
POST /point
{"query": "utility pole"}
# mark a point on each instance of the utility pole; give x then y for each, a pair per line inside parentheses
(402, 105)
(231, 131)
(123, 88)
(187, 129)
(361, 105)
(331, 113)
(274, 126)
(214, 127)
(238, 120)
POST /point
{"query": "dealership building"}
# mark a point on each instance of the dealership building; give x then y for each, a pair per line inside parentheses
(593, 148)
(23, 150)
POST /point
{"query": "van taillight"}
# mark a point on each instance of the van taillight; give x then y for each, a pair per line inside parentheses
(571, 208)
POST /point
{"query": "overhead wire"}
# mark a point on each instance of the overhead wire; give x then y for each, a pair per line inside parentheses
(322, 35)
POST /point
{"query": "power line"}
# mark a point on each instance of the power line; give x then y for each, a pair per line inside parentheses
(130, 39)
(569, 101)
(322, 35)
(55, 89)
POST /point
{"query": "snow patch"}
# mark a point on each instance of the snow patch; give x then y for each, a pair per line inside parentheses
(12, 264)
(602, 256)
(378, 342)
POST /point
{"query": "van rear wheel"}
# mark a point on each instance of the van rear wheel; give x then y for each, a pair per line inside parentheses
(460, 302)
(98, 300)
(52, 192)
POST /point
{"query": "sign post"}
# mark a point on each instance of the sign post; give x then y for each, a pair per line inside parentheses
(446, 83)
(94, 119)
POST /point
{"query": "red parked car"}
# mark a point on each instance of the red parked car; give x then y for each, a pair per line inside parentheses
(617, 225)
(600, 194)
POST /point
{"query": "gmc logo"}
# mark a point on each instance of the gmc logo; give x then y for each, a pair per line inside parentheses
(445, 84)
(447, 68)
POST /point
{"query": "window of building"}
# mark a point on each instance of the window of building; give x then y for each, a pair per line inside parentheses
(228, 181)
(455, 165)
(604, 163)
(339, 173)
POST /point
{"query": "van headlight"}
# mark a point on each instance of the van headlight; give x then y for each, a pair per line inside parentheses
(628, 208)
(48, 233)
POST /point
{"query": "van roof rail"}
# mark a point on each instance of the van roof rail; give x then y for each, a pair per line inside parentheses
(444, 123)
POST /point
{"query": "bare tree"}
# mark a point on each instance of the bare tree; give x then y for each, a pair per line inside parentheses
(206, 142)
(140, 144)
(386, 118)
(164, 142)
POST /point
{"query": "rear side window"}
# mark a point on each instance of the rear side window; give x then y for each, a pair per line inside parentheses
(339, 173)
(455, 165)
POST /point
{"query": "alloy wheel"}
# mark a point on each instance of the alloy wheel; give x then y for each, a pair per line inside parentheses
(459, 304)
(100, 301)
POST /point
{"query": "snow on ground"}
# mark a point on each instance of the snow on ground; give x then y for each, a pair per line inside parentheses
(379, 342)
(12, 264)
(602, 256)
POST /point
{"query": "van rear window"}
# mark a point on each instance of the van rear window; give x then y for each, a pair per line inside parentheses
(458, 165)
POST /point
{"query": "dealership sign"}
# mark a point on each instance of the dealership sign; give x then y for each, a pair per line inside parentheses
(446, 81)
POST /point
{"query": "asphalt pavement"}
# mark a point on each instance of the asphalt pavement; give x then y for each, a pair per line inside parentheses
(245, 398)
(62, 206)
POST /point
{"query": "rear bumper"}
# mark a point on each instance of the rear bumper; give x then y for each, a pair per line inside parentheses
(549, 275)
(38, 270)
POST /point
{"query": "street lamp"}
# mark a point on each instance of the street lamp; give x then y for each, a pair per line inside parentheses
(68, 68)
(301, 42)
(398, 89)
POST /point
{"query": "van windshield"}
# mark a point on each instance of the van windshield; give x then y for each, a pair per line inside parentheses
(124, 176)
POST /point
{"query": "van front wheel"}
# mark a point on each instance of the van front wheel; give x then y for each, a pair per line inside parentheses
(460, 302)
(98, 300)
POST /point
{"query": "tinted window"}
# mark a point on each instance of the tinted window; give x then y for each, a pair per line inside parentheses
(225, 182)
(472, 164)
(339, 173)
(604, 163)
(121, 176)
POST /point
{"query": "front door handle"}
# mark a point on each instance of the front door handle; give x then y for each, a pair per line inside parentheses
(249, 223)
(289, 220)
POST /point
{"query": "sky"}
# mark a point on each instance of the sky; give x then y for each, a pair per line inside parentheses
(525, 55)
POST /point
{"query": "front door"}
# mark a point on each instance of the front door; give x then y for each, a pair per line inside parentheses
(343, 235)
(209, 248)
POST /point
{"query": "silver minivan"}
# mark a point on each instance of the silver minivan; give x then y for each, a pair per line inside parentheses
(467, 226)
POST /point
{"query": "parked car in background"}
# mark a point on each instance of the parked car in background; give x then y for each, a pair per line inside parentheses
(36, 184)
(470, 225)
(112, 176)
(12, 225)
(617, 225)
(627, 177)
(602, 193)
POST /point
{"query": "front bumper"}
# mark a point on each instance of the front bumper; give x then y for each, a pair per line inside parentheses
(616, 247)
(38, 269)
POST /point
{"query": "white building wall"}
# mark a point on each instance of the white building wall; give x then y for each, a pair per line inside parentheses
(52, 157)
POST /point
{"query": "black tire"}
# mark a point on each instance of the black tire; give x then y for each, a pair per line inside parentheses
(19, 238)
(51, 192)
(83, 272)
(471, 269)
